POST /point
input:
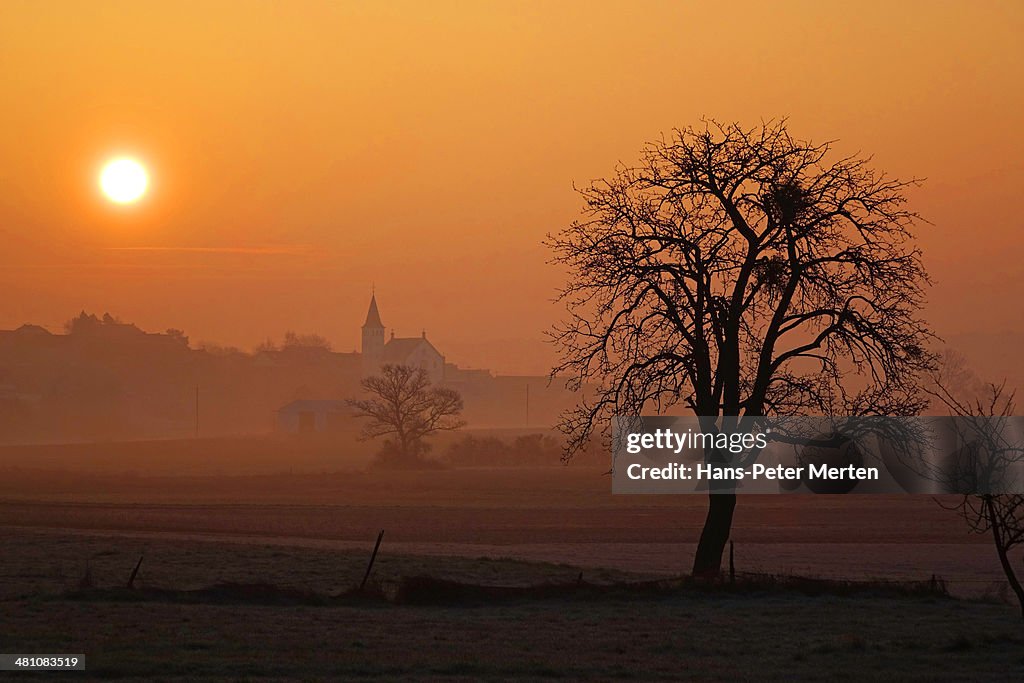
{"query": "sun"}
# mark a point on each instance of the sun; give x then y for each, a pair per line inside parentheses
(124, 180)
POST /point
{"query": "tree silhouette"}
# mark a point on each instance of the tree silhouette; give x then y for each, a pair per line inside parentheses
(991, 452)
(740, 273)
(305, 342)
(405, 406)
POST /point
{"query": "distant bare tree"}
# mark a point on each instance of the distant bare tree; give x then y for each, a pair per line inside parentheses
(296, 341)
(266, 346)
(404, 406)
(177, 335)
(741, 273)
(80, 322)
(87, 322)
(993, 451)
(215, 349)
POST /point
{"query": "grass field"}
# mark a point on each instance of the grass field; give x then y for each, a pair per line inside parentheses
(783, 635)
(71, 536)
(557, 514)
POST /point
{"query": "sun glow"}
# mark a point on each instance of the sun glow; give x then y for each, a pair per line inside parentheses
(124, 180)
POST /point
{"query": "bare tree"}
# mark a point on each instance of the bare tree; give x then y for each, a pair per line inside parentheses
(1002, 516)
(266, 346)
(305, 342)
(405, 406)
(988, 454)
(740, 273)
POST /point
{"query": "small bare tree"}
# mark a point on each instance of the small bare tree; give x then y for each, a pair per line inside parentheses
(989, 452)
(305, 342)
(740, 273)
(1001, 516)
(403, 405)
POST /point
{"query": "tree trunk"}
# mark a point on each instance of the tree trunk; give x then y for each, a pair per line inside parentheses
(1011, 578)
(707, 562)
(1004, 559)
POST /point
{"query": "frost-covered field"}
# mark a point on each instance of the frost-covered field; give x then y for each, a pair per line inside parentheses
(690, 634)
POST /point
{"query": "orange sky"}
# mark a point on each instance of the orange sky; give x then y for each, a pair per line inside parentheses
(301, 151)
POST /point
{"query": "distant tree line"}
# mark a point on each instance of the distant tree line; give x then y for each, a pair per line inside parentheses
(525, 450)
(293, 341)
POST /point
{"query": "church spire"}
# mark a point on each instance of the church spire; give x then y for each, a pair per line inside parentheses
(373, 315)
(373, 338)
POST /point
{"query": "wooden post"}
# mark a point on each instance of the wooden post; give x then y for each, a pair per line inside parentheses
(732, 564)
(135, 572)
(527, 403)
(373, 557)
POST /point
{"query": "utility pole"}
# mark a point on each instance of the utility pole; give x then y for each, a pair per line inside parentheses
(527, 403)
(197, 411)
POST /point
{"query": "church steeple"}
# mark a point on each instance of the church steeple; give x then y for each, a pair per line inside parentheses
(373, 332)
(373, 315)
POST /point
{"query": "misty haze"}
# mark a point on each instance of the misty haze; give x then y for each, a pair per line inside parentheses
(320, 321)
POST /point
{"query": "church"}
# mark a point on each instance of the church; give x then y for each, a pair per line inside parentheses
(306, 415)
(324, 380)
(416, 352)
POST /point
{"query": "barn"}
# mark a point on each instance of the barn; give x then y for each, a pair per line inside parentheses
(313, 417)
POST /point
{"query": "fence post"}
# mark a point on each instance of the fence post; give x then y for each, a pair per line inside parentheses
(131, 579)
(373, 557)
